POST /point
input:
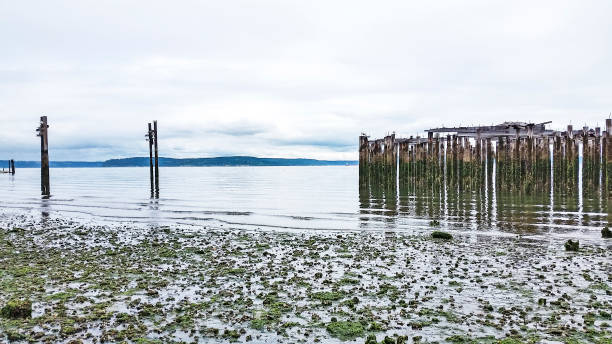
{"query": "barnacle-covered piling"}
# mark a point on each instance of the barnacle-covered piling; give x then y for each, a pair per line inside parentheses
(513, 156)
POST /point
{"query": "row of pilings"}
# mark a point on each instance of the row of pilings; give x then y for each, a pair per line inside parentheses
(511, 156)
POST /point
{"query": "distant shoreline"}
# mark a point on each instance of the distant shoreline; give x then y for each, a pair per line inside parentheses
(232, 161)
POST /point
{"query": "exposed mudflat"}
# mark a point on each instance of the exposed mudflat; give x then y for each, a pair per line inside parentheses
(148, 284)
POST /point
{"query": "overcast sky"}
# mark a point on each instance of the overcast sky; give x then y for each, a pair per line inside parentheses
(290, 78)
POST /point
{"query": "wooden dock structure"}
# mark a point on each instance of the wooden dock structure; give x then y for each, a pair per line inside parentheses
(526, 157)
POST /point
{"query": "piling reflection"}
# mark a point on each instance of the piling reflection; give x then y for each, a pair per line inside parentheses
(490, 206)
(378, 198)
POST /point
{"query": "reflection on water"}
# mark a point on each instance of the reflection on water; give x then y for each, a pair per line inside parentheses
(292, 198)
(490, 207)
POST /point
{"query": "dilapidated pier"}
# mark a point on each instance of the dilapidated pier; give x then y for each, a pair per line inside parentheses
(515, 156)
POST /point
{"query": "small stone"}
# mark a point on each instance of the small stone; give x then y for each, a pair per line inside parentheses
(371, 339)
(572, 245)
(441, 235)
(542, 302)
(388, 340)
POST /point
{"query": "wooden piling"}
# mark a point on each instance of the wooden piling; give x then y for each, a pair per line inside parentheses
(477, 160)
(489, 159)
(586, 159)
(447, 158)
(526, 156)
(438, 168)
(597, 156)
(404, 161)
(151, 173)
(156, 159)
(499, 158)
(604, 162)
(608, 155)
(44, 156)
(557, 160)
(390, 155)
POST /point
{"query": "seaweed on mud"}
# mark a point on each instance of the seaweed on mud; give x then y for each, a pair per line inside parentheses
(327, 296)
(441, 235)
(184, 284)
(15, 309)
(345, 330)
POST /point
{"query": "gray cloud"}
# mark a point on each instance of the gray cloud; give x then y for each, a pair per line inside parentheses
(278, 78)
(239, 129)
(338, 144)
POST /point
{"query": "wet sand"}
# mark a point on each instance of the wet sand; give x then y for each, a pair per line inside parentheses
(150, 284)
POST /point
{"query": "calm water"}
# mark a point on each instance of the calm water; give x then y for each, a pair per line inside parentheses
(290, 198)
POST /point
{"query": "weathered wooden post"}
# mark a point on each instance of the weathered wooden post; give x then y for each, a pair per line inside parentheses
(411, 164)
(150, 140)
(604, 161)
(500, 150)
(375, 158)
(586, 159)
(547, 155)
(44, 156)
(363, 157)
(477, 158)
(402, 159)
(156, 159)
(528, 161)
(597, 154)
(456, 169)
(507, 165)
(489, 159)
(465, 157)
(557, 159)
(429, 152)
(608, 155)
(447, 158)
(571, 157)
(517, 171)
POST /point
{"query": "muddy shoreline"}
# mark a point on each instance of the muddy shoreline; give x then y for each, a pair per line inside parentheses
(162, 284)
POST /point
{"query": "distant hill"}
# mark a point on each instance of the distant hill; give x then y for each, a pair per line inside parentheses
(226, 161)
(36, 164)
(218, 161)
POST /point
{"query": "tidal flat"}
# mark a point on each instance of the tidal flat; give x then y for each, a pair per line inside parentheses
(69, 282)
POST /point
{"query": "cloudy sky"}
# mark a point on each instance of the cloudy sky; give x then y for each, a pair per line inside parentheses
(290, 78)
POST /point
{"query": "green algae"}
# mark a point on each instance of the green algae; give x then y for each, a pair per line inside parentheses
(327, 295)
(345, 330)
(389, 283)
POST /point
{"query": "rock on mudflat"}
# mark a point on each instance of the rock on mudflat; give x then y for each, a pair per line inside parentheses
(441, 235)
(15, 309)
(572, 245)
